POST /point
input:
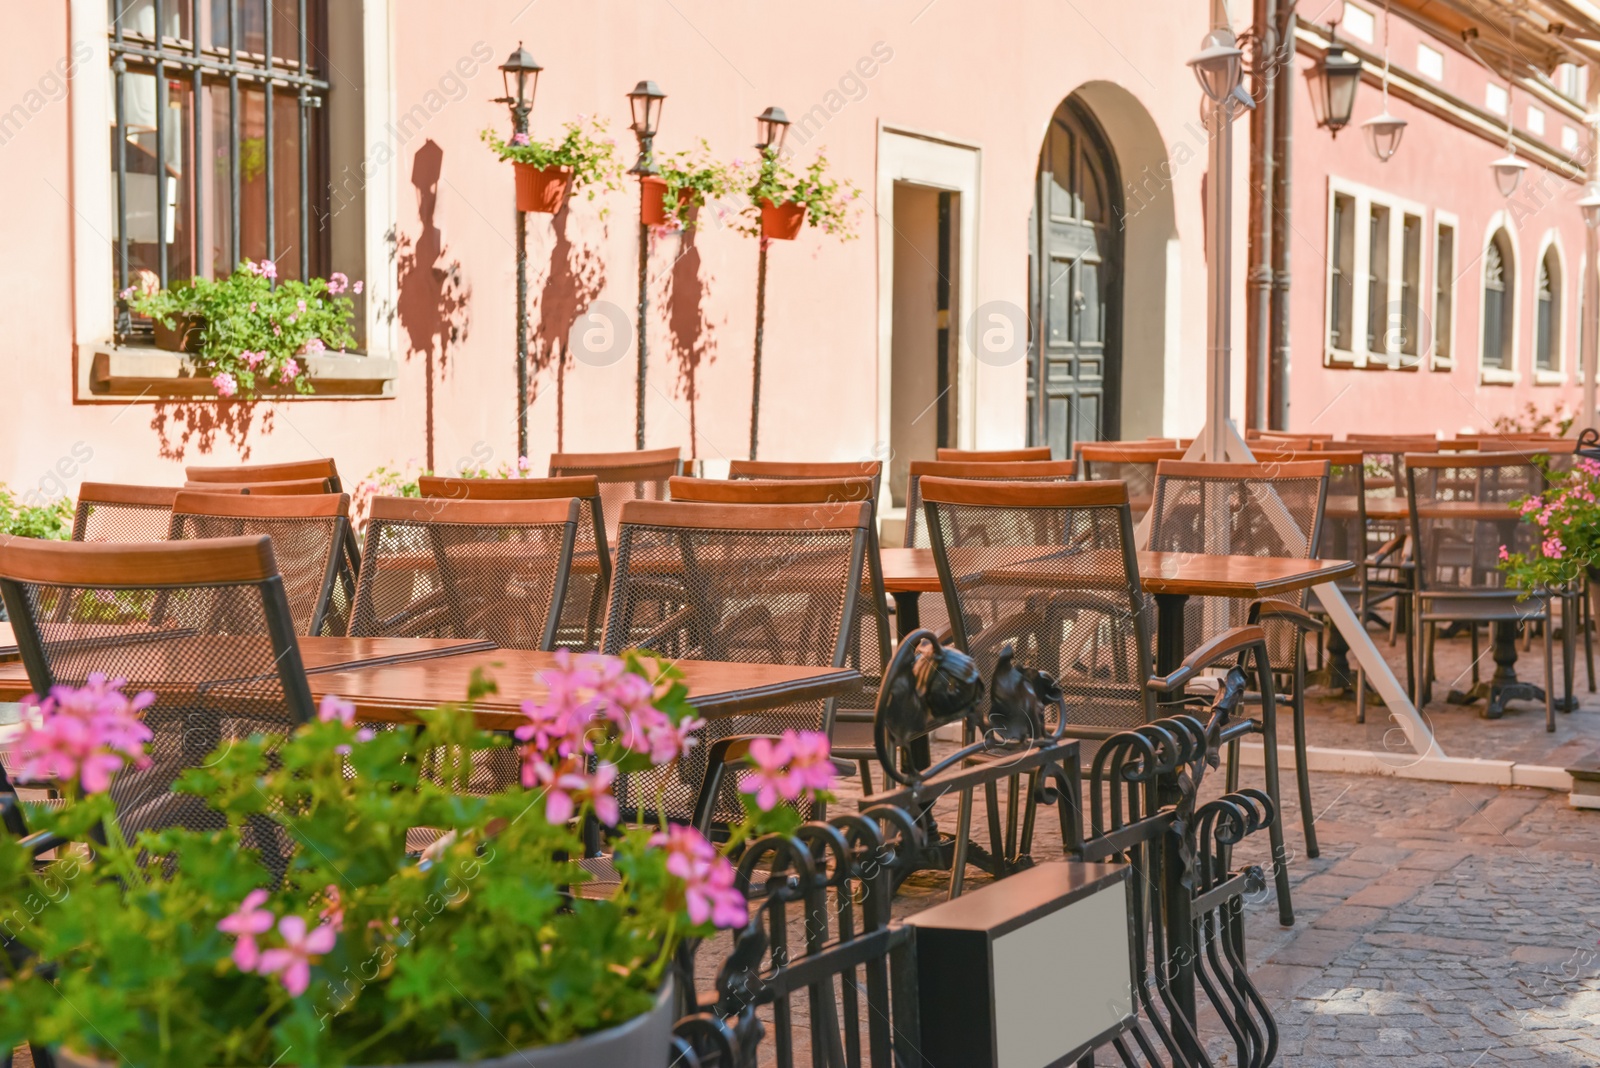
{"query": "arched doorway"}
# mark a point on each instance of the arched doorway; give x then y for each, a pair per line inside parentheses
(1076, 269)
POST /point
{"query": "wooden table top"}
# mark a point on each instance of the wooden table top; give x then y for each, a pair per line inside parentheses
(1389, 509)
(1189, 574)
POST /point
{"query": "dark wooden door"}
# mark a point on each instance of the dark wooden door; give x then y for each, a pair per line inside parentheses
(1076, 266)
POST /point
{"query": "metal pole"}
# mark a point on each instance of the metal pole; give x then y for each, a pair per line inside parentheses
(519, 124)
(1258, 319)
(761, 316)
(644, 357)
(1218, 341)
(1282, 177)
(1589, 330)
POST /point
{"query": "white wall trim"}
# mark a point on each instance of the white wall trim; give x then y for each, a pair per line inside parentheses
(1435, 361)
(1558, 374)
(89, 162)
(1495, 376)
(907, 155)
(1366, 198)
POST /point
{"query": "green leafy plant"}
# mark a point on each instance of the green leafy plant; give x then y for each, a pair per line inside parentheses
(302, 933)
(405, 482)
(50, 519)
(700, 176)
(583, 146)
(827, 201)
(1567, 542)
(255, 333)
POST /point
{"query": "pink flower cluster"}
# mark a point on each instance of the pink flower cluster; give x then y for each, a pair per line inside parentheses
(253, 359)
(225, 384)
(593, 699)
(1552, 548)
(291, 369)
(263, 268)
(85, 735)
(336, 709)
(709, 890)
(291, 962)
(314, 346)
(519, 139)
(790, 768)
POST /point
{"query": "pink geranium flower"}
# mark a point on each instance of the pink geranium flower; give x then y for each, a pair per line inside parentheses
(291, 369)
(519, 139)
(770, 781)
(314, 346)
(249, 920)
(292, 963)
(568, 788)
(336, 709)
(338, 282)
(669, 741)
(1504, 554)
(810, 769)
(1553, 548)
(268, 269)
(85, 735)
(710, 890)
(225, 384)
(357, 287)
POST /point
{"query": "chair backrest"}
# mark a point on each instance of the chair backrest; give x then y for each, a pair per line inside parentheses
(783, 469)
(1344, 532)
(1050, 570)
(1463, 511)
(203, 625)
(109, 512)
(776, 584)
(1120, 462)
(287, 488)
(583, 609)
(994, 456)
(293, 471)
(622, 476)
(436, 568)
(916, 535)
(308, 535)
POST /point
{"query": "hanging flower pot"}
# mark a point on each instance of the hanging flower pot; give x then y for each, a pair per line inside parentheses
(542, 189)
(184, 335)
(654, 207)
(782, 222)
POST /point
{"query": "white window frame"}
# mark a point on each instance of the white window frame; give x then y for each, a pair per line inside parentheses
(1557, 377)
(1442, 219)
(1365, 197)
(1428, 56)
(1497, 376)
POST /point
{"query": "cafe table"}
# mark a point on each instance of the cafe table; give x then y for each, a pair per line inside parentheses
(1171, 578)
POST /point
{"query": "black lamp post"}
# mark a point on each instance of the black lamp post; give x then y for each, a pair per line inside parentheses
(521, 76)
(772, 125)
(645, 102)
(1335, 78)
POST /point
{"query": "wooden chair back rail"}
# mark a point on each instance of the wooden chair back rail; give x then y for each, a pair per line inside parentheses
(1317, 468)
(770, 491)
(306, 486)
(286, 472)
(993, 456)
(1382, 446)
(1121, 453)
(251, 506)
(1024, 494)
(587, 462)
(1460, 459)
(117, 493)
(998, 469)
(784, 469)
(541, 512)
(139, 564)
(508, 489)
(840, 515)
(1334, 457)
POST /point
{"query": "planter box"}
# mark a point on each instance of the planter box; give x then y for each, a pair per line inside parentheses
(782, 222)
(542, 189)
(152, 374)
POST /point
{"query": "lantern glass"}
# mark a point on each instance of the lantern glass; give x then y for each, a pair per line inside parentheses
(1219, 66)
(1338, 76)
(520, 75)
(1507, 173)
(772, 126)
(1383, 135)
(645, 103)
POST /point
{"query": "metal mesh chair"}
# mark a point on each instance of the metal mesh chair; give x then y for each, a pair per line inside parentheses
(622, 476)
(782, 469)
(583, 608)
(870, 646)
(205, 626)
(308, 535)
(293, 471)
(776, 584)
(466, 569)
(108, 512)
(1461, 515)
(994, 456)
(1119, 462)
(1046, 470)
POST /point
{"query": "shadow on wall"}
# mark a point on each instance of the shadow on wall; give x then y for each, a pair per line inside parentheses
(690, 338)
(574, 279)
(180, 424)
(433, 302)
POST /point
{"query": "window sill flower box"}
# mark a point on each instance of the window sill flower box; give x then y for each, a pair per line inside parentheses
(153, 374)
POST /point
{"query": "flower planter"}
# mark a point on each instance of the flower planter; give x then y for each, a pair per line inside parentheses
(542, 189)
(782, 222)
(653, 208)
(642, 1042)
(185, 334)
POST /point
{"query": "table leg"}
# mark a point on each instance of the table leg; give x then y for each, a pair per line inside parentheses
(1504, 685)
(1341, 678)
(907, 613)
(1169, 631)
(1179, 918)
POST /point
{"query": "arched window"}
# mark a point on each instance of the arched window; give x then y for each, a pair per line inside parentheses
(1499, 296)
(1547, 324)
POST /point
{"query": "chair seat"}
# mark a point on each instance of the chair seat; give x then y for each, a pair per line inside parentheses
(1483, 607)
(853, 739)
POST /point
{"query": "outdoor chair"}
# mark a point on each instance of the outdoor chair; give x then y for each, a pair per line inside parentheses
(1134, 465)
(204, 625)
(1462, 513)
(109, 512)
(916, 535)
(783, 469)
(1050, 571)
(308, 535)
(434, 568)
(623, 476)
(774, 584)
(287, 488)
(293, 471)
(583, 608)
(994, 456)
(1268, 509)
(870, 646)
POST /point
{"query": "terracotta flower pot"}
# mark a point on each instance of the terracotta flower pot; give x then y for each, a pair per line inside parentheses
(782, 222)
(183, 336)
(653, 207)
(542, 189)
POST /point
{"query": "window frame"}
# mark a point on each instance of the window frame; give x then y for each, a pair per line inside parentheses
(1557, 375)
(1512, 374)
(1442, 220)
(1361, 355)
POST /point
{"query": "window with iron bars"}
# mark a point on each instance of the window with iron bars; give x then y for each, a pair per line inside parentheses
(218, 145)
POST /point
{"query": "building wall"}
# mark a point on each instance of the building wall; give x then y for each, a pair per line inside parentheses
(988, 76)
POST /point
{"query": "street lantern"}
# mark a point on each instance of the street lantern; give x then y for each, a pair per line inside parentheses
(1508, 172)
(772, 126)
(1590, 205)
(1335, 78)
(1383, 135)
(520, 73)
(645, 102)
(1219, 65)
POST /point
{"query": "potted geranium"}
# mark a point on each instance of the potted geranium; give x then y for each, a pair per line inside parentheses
(546, 171)
(783, 201)
(301, 933)
(1567, 515)
(684, 183)
(249, 333)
